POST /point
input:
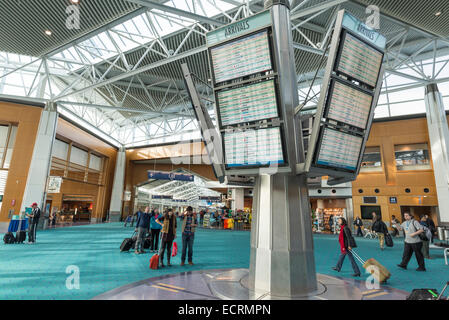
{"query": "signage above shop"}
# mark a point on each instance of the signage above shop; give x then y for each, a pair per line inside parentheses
(54, 184)
(173, 176)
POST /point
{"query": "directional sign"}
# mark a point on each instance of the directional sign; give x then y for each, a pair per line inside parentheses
(162, 175)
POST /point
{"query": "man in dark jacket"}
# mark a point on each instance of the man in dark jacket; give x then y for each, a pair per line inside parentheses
(359, 223)
(188, 235)
(380, 228)
(34, 220)
(431, 225)
(142, 228)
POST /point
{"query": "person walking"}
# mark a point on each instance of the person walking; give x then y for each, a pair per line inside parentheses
(155, 231)
(188, 235)
(331, 223)
(142, 228)
(345, 239)
(359, 223)
(33, 222)
(380, 228)
(168, 234)
(431, 226)
(412, 242)
(394, 224)
(425, 243)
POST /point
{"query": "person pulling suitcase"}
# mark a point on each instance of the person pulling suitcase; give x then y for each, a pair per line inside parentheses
(347, 242)
(34, 220)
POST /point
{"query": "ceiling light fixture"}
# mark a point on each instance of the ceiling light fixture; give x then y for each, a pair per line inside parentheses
(75, 1)
(438, 13)
(48, 32)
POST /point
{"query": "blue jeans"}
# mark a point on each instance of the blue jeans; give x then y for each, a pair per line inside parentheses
(187, 241)
(351, 258)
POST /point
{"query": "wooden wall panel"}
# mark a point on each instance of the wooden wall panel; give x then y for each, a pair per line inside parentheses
(27, 118)
(391, 182)
(102, 194)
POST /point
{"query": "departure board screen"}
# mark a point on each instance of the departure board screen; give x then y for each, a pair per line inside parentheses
(339, 150)
(249, 103)
(349, 105)
(359, 60)
(242, 57)
(250, 148)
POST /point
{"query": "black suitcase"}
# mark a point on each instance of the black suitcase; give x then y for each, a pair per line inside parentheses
(423, 294)
(20, 236)
(388, 240)
(9, 238)
(128, 243)
(147, 243)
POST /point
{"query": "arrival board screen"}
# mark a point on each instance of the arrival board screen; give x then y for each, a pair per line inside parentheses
(339, 150)
(249, 103)
(241, 57)
(261, 147)
(349, 105)
(360, 61)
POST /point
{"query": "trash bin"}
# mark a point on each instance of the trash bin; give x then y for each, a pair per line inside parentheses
(440, 233)
(446, 234)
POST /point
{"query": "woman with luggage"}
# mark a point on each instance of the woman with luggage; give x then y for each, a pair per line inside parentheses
(169, 223)
(347, 242)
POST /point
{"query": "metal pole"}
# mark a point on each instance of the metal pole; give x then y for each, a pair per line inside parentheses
(439, 146)
(282, 261)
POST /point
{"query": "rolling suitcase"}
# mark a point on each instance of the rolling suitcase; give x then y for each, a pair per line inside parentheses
(128, 243)
(388, 240)
(147, 243)
(382, 276)
(20, 236)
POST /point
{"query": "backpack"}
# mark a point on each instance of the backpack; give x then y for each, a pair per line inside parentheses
(9, 238)
(351, 240)
(427, 233)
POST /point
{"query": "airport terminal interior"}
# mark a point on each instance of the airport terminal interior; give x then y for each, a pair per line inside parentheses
(224, 149)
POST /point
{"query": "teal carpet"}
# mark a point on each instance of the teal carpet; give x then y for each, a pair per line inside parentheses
(39, 271)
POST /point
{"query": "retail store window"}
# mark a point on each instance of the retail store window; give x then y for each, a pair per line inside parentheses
(412, 156)
(372, 160)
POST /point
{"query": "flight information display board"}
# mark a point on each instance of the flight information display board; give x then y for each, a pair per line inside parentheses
(241, 57)
(260, 147)
(339, 150)
(248, 103)
(349, 105)
(359, 60)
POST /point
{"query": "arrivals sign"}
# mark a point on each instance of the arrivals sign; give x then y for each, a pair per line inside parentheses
(239, 28)
(362, 30)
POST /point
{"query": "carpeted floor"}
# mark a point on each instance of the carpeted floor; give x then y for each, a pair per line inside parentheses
(40, 271)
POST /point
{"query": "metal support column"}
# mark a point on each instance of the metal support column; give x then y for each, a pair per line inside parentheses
(282, 261)
(439, 146)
